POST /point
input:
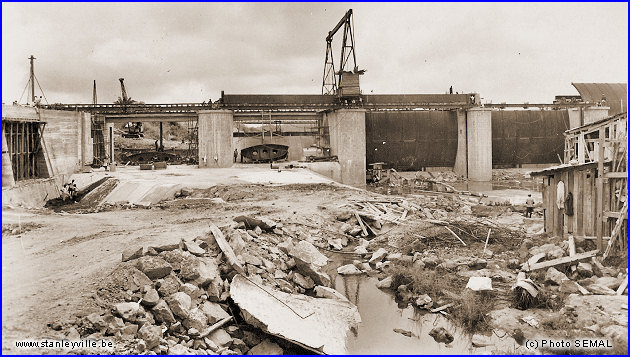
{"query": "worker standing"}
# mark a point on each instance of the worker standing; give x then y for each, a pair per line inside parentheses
(235, 155)
(529, 206)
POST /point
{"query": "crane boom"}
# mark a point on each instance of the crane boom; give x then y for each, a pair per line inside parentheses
(124, 92)
(343, 20)
(333, 79)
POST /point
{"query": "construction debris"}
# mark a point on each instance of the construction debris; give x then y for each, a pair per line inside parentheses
(321, 325)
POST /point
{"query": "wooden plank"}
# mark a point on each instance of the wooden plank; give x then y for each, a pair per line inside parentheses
(570, 188)
(579, 202)
(226, 248)
(616, 175)
(590, 237)
(609, 214)
(365, 232)
(456, 236)
(589, 228)
(600, 190)
(563, 260)
(487, 238)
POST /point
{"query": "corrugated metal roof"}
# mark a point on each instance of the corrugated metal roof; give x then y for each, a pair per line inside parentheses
(616, 95)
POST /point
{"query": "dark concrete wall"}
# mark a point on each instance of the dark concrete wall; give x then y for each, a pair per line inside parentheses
(411, 140)
(528, 136)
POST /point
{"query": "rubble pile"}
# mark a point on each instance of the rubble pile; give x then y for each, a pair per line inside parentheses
(176, 298)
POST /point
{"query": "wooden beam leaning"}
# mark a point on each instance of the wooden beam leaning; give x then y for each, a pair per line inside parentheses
(563, 260)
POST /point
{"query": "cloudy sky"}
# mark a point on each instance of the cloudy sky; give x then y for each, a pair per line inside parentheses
(177, 52)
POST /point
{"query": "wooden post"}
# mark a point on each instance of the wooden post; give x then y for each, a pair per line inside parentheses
(599, 225)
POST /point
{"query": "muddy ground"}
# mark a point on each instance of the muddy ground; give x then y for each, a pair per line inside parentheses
(55, 261)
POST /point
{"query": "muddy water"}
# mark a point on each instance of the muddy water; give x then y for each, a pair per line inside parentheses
(380, 315)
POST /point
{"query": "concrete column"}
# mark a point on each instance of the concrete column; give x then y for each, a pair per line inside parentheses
(593, 114)
(461, 159)
(7, 167)
(108, 137)
(479, 134)
(347, 142)
(214, 130)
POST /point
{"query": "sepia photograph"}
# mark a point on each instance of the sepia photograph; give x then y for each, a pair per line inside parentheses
(314, 178)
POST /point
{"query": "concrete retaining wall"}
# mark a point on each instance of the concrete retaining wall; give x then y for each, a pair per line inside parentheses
(67, 147)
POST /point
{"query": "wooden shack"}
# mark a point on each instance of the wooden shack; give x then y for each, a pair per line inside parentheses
(596, 177)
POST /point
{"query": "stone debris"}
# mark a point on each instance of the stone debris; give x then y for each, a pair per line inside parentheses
(318, 323)
(440, 334)
(266, 347)
(130, 254)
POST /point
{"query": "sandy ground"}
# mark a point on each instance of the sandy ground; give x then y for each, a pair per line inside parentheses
(52, 263)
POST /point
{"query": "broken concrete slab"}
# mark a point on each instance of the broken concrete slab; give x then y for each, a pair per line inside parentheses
(318, 324)
(309, 261)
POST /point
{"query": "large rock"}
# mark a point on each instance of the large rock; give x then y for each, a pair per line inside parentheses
(192, 290)
(169, 285)
(309, 261)
(208, 272)
(179, 303)
(251, 259)
(179, 350)
(132, 253)
(213, 311)
(127, 310)
(154, 267)
(598, 289)
(150, 298)
(609, 282)
(551, 251)
(385, 283)
(585, 269)
(221, 338)
(173, 257)
(440, 334)
(194, 248)
(378, 255)
(348, 269)
(196, 319)
(151, 335)
(554, 277)
(305, 282)
(266, 347)
(569, 287)
(162, 313)
(189, 269)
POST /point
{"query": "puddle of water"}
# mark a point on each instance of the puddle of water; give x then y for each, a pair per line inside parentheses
(380, 315)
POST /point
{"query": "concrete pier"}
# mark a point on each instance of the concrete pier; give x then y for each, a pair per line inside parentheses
(479, 143)
(214, 130)
(461, 159)
(347, 141)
